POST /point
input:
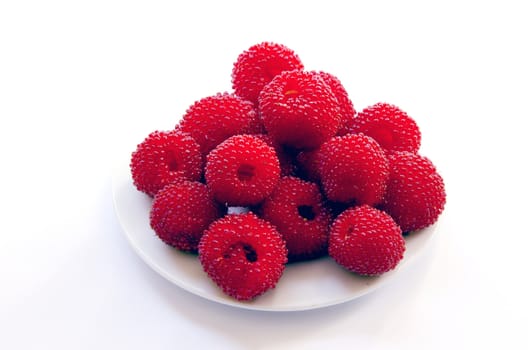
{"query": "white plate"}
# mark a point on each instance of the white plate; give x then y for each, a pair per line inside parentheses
(303, 286)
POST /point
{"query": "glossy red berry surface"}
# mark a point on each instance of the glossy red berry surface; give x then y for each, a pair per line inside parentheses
(257, 66)
(297, 209)
(346, 107)
(415, 195)
(366, 241)
(244, 255)
(299, 110)
(180, 213)
(165, 157)
(213, 119)
(242, 171)
(391, 127)
(353, 169)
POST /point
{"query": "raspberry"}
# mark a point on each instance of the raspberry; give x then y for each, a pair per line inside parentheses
(214, 119)
(242, 171)
(286, 144)
(353, 169)
(296, 208)
(244, 255)
(181, 212)
(366, 241)
(415, 195)
(299, 110)
(391, 127)
(346, 106)
(257, 66)
(165, 157)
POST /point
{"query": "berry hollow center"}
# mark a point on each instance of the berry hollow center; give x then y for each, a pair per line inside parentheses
(245, 172)
(306, 212)
(241, 248)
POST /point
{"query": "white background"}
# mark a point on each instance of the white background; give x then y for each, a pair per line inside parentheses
(81, 83)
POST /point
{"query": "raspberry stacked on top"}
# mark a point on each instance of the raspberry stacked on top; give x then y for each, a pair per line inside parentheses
(316, 178)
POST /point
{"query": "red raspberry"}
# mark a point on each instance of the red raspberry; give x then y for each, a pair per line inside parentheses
(244, 255)
(214, 119)
(391, 127)
(181, 212)
(299, 110)
(296, 208)
(346, 106)
(165, 157)
(366, 240)
(353, 169)
(415, 195)
(257, 66)
(242, 171)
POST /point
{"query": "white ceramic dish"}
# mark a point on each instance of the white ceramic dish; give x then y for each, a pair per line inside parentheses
(303, 286)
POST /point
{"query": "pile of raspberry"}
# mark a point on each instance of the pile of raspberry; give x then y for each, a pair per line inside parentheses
(284, 170)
